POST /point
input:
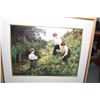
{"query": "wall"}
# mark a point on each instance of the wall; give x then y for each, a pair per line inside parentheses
(0, 65)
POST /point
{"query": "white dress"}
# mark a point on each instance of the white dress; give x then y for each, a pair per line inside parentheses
(57, 41)
(64, 50)
(32, 56)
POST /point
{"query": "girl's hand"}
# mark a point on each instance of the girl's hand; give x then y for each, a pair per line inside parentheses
(62, 57)
(58, 50)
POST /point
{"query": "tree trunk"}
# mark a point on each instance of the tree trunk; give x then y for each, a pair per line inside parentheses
(20, 57)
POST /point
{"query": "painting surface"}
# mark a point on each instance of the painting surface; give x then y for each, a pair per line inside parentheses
(45, 51)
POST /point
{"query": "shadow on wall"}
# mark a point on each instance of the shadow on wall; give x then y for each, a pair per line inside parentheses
(98, 25)
(94, 69)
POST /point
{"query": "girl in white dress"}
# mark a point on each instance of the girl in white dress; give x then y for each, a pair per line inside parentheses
(32, 57)
(57, 41)
(64, 51)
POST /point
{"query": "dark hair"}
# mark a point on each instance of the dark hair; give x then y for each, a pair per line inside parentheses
(32, 49)
(63, 43)
(54, 34)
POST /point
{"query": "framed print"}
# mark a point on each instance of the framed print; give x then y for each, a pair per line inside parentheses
(46, 50)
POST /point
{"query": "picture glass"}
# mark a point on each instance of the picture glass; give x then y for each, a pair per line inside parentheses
(45, 51)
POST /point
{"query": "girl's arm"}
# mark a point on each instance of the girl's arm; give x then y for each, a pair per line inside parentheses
(66, 52)
(35, 57)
